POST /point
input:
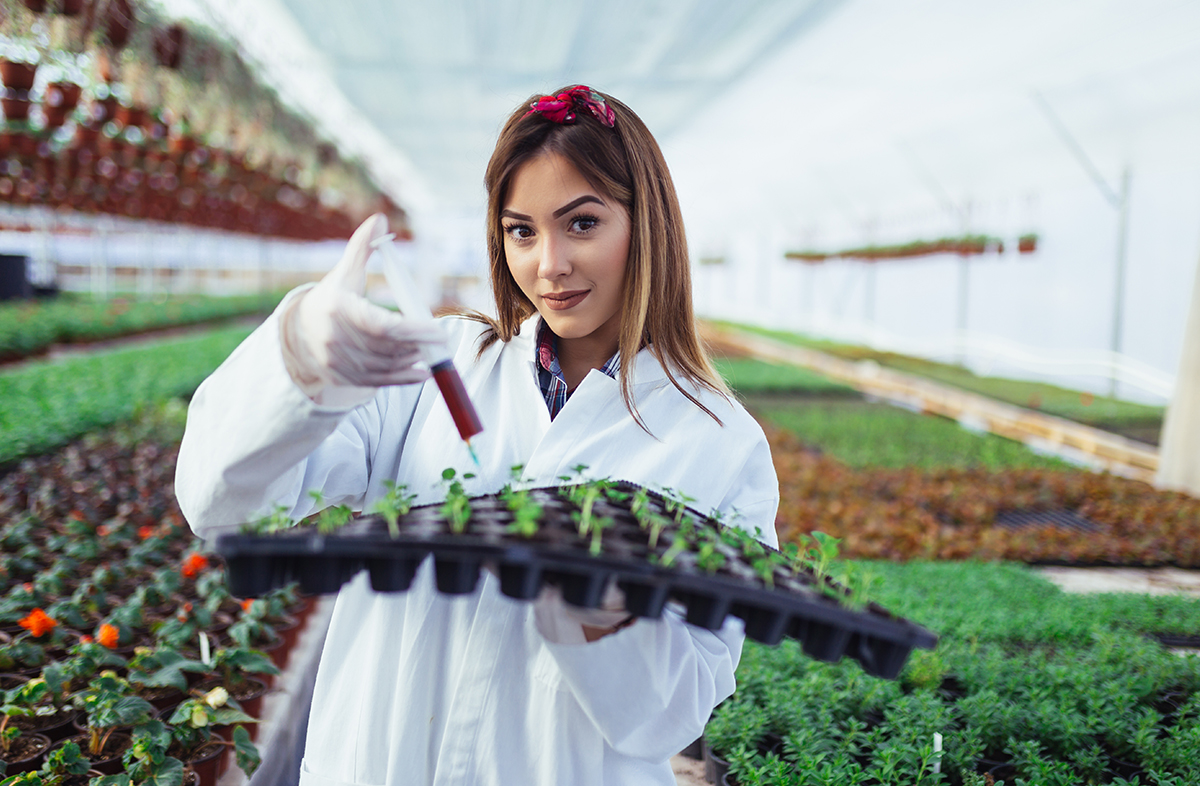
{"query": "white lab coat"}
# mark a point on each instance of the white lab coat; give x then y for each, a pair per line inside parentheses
(424, 688)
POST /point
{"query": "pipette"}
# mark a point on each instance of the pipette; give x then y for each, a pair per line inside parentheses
(438, 356)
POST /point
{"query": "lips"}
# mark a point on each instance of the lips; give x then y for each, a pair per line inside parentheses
(561, 301)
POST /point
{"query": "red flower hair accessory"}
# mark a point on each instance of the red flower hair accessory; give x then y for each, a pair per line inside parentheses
(562, 107)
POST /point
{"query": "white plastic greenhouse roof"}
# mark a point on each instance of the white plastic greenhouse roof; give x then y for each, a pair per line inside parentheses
(797, 104)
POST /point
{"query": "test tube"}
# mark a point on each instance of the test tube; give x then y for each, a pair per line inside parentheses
(437, 356)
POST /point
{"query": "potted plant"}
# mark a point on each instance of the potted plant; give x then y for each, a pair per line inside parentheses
(232, 668)
(19, 58)
(194, 727)
(20, 751)
(146, 760)
(161, 675)
(109, 704)
(66, 766)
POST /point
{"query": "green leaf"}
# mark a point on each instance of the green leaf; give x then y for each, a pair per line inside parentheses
(246, 754)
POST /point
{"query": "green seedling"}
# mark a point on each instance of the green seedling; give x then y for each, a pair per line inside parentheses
(457, 507)
(393, 505)
(333, 518)
(275, 521)
(527, 512)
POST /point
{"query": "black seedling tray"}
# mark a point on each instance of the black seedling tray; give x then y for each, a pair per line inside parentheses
(793, 605)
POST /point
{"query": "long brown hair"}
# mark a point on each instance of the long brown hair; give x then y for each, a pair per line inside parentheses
(626, 165)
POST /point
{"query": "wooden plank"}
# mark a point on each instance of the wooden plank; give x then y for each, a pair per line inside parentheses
(1059, 436)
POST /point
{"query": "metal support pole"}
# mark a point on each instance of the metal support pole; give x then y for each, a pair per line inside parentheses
(1118, 320)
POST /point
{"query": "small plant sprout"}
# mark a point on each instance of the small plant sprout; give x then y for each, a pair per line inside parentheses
(708, 558)
(683, 537)
(332, 518)
(821, 555)
(675, 503)
(864, 580)
(275, 521)
(585, 496)
(457, 507)
(527, 512)
(393, 505)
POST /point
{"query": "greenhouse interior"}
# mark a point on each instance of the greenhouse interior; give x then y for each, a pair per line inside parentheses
(868, 342)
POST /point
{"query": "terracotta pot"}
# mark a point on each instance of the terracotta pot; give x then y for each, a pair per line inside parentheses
(205, 761)
(103, 110)
(118, 23)
(62, 94)
(131, 116)
(56, 727)
(29, 760)
(168, 46)
(113, 749)
(17, 76)
(16, 108)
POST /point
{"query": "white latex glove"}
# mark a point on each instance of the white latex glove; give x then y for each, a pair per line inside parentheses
(562, 623)
(337, 346)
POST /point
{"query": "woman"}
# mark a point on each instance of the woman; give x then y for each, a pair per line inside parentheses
(593, 359)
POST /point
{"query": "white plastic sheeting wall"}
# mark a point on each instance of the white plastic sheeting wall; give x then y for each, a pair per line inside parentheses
(900, 122)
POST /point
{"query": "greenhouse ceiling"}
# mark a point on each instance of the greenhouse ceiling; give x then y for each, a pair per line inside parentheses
(799, 106)
(433, 82)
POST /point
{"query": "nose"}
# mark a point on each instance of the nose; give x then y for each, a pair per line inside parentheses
(554, 261)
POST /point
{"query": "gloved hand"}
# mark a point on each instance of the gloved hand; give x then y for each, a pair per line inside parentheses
(337, 346)
(562, 623)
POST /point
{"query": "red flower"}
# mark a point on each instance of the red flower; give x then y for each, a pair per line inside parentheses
(86, 639)
(38, 623)
(193, 565)
(145, 531)
(109, 635)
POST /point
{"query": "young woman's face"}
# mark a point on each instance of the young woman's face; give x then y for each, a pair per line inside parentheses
(566, 246)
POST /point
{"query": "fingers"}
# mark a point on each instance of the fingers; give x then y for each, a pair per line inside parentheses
(350, 273)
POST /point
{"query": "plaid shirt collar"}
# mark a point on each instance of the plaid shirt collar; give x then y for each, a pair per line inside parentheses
(550, 376)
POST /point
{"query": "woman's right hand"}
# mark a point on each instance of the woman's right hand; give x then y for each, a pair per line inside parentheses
(333, 337)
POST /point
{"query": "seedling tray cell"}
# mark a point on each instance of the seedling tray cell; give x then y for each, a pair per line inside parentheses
(656, 550)
(520, 574)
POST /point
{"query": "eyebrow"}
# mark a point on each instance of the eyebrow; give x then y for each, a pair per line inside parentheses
(583, 200)
(576, 203)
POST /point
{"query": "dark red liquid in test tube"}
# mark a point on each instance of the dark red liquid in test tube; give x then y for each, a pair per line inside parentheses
(455, 395)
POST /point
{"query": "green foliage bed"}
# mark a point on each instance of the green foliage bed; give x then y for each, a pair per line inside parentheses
(1099, 411)
(1029, 684)
(29, 327)
(46, 404)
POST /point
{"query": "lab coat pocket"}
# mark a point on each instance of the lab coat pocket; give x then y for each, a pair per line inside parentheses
(309, 778)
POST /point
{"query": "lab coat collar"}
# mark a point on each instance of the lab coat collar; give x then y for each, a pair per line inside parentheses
(646, 368)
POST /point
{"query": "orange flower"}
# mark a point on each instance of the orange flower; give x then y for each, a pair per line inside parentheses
(109, 635)
(193, 565)
(246, 604)
(86, 639)
(38, 623)
(145, 531)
